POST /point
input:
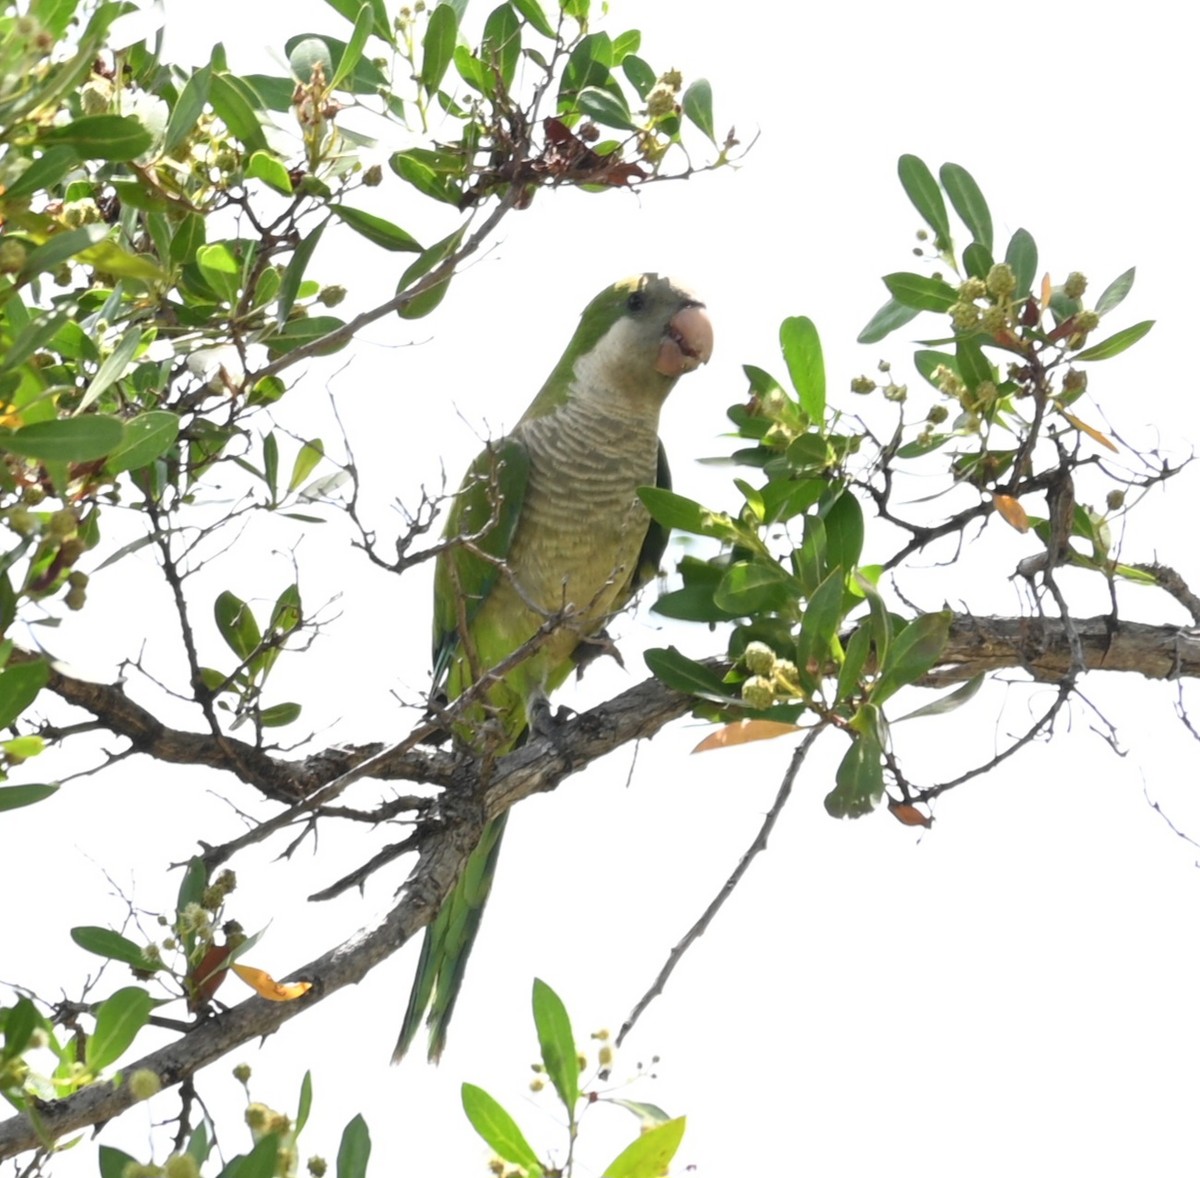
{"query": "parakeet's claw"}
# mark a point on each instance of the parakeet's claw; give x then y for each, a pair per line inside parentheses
(598, 646)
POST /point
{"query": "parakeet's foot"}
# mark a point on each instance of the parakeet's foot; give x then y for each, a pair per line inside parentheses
(598, 646)
(543, 720)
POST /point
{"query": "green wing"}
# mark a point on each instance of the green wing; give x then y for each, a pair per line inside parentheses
(655, 544)
(487, 508)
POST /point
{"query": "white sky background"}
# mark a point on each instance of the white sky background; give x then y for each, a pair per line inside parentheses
(1011, 992)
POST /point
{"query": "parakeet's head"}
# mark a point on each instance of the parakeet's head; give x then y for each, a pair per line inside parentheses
(636, 338)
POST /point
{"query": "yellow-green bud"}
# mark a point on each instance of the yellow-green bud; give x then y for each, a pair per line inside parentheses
(606, 1056)
(922, 235)
(785, 669)
(258, 1116)
(1075, 381)
(63, 523)
(22, 521)
(76, 598)
(536, 1084)
(672, 79)
(12, 255)
(994, 320)
(71, 550)
(1087, 321)
(758, 692)
(948, 381)
(80, 212)
(862, 385)
(896, 392)
(660, 102)
(1075, 285)
(144, 1084)
(33, 495)
(759, 658)
(1115, 500)
(330, 296)
(1001, 281)
(373, 176)
(885, 366)
(973, 288)
(937, 414)
(964, 316)
(774, 403)
(241, 1073)
(181, 1165)
(317, 1166)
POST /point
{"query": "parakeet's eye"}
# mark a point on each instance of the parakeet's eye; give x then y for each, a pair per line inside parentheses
(636, 301)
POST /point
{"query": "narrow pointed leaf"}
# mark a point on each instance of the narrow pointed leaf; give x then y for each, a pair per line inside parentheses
(926, 196)
(493, 1123)
(118, 1021)
(919, 292)
(559, 1055)
(968, 202)
(806, 365)
(1116, 344)
(697, 106)
(1114, 294)
(1022, 256)
(13, 797)
(363, 24)
(649, 1155)
(888, 318)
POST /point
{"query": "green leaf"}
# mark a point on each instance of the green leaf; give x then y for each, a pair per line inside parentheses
(106, 943)
(441, 34)
(648, 1155)
(114, 1162)
(891, 315)
(822, 616)
(294, 274)
(354, 1150)
(19, 687)
(855, 660)
(919, 292)
(557, 1043)
(697, 106)
(118, 1020)
(606, 108)
(501, 46)
(350, 8)
(640, 74)
(1116, 344)
(306, 56)
(624, 44)
(267, 168)
(859, 786)
(977, 261)
(750, 586)
(972, 364)
(844, 531)
(948, 703)
(187, 109)
(493, 1123)
(222, 270)
(261, 1162)
(61, 248)
(1114, 294)
(686, 515)
(271, 463)
(422, 304)
(115, 262)
(44, 173)
(279, 715)
(802, 351)
(147, 437)
(306, 460)
(113, 367)
(432, 173)
(236, 112)
(299, 333)
(913, 651)
(69, 439)
(363, 25)
(236, 624)
(684, 674)
(968, 202)
(926, 196)
(305, 1105)
(19, 1022)
(102, 137)
(13, 797)
(1022, 256)
(377, 230)
(535, 14)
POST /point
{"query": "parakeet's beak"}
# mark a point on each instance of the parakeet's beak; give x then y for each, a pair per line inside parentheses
(687, 343)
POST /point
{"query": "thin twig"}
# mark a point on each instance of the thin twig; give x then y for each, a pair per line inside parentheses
(706, 918)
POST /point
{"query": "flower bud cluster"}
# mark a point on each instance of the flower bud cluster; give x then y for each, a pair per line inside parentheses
(771, 678)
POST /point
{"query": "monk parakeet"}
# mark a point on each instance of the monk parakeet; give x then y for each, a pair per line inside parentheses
(552, 527)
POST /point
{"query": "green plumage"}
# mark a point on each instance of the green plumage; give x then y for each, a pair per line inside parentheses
(550, 527)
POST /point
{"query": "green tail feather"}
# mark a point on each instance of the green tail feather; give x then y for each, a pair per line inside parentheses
(447, 946)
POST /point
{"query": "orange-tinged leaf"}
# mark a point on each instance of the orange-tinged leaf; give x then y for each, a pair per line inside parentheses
(210, 973)
(906, 813)
(267, 987)
(743, 732)
(1094, 434)
(1011, 512)
(1047, 290)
